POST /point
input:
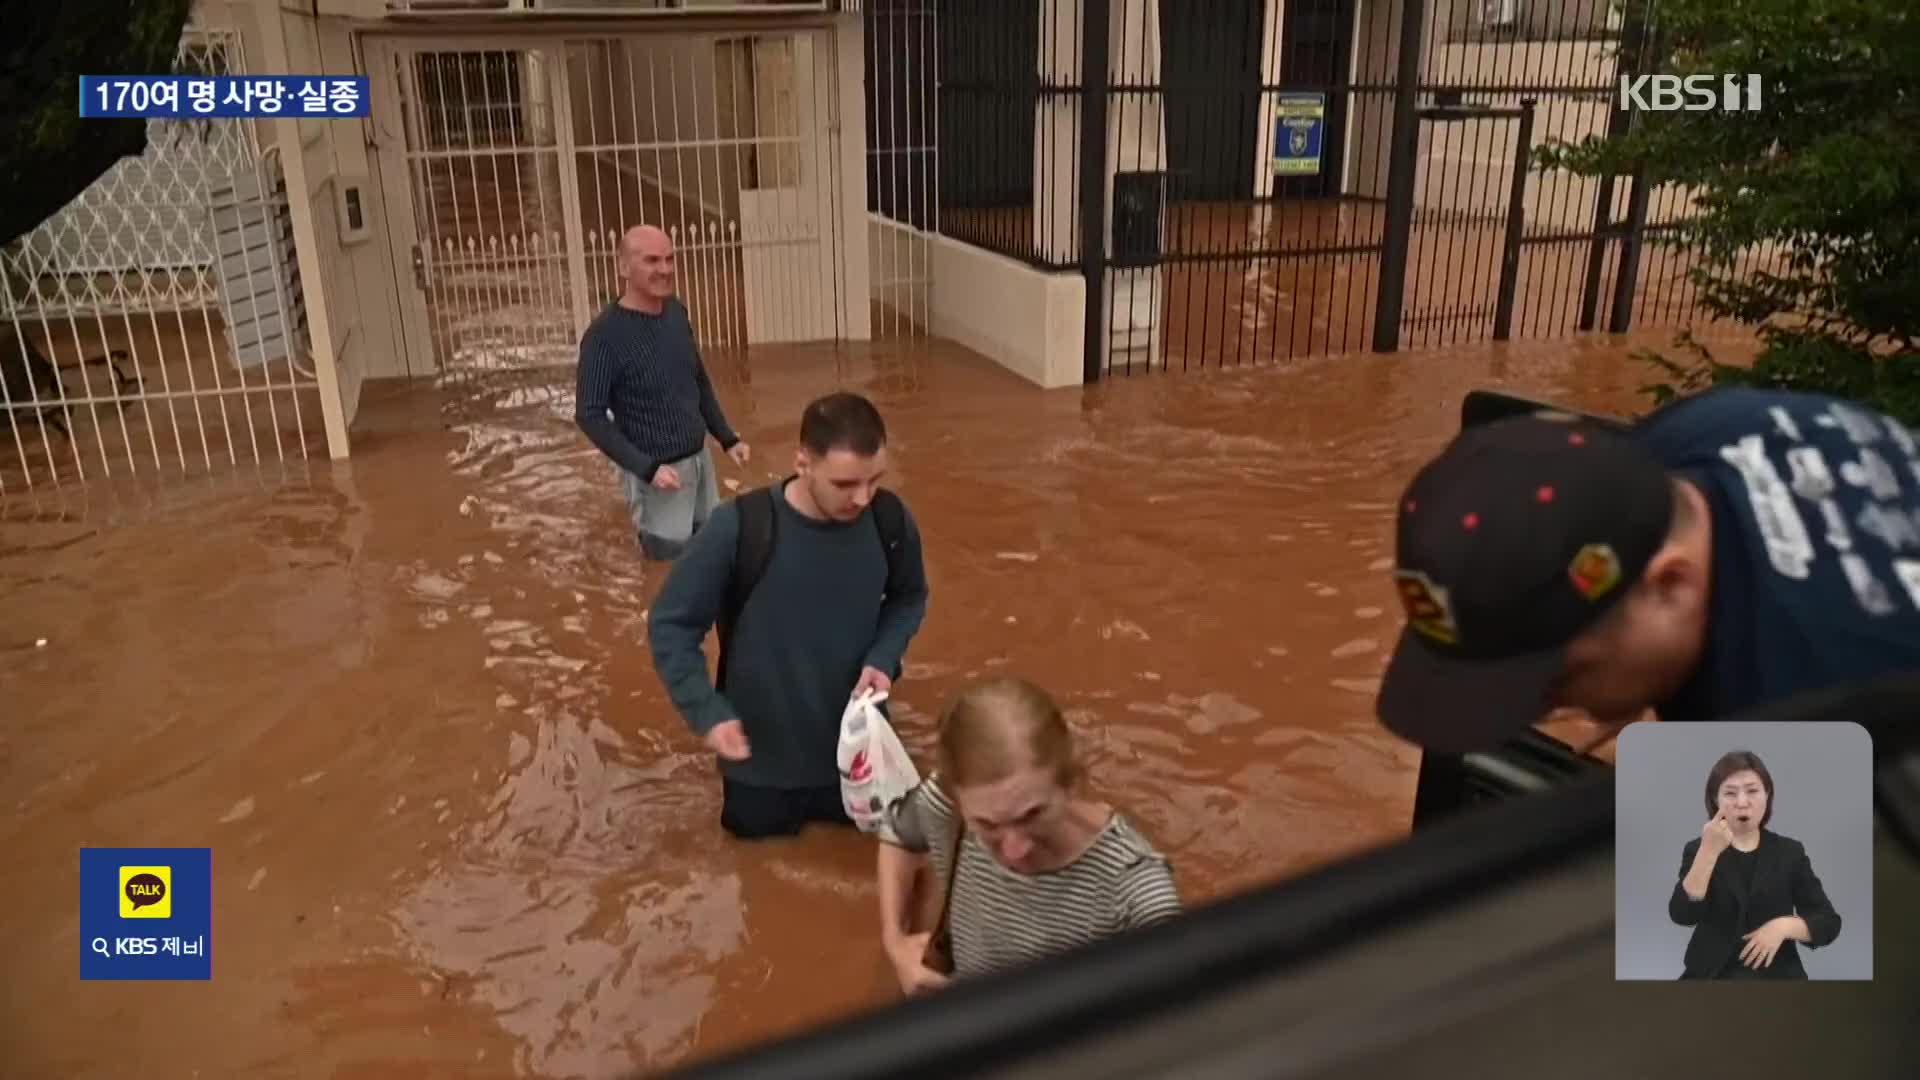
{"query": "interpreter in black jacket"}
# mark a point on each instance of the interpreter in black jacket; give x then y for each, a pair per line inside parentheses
(1749, 893)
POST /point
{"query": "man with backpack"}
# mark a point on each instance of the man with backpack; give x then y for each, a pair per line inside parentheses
(816, 587)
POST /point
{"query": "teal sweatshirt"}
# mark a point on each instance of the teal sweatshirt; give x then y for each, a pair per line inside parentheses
(818, 615)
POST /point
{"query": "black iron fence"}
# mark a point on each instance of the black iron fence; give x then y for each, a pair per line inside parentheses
(1249, 180)
(1240, 144)
(1495, 249)
(902, 175)
(1002, 117)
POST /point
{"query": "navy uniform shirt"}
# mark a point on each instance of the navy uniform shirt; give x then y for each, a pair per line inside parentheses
(1816, 543)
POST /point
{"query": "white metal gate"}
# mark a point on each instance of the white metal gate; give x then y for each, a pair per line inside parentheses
(155, 323)
(903, 123)
(516, 168)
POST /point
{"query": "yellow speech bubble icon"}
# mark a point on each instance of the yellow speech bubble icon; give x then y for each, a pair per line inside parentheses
(146, 892)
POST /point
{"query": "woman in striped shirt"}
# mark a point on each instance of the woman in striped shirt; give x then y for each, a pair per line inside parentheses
(1040, 867)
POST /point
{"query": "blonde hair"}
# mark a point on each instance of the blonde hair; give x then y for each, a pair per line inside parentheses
(993, 729)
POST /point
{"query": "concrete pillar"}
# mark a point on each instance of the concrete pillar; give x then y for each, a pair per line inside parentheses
(1056, 181)
(334, 408)
(1369, 134)
(1136, 142)
(1270, 44)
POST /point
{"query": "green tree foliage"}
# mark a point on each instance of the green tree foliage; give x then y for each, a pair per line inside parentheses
(1827, 170)
(48, 155)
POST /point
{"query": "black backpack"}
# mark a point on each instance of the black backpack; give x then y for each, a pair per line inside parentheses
(759, 524)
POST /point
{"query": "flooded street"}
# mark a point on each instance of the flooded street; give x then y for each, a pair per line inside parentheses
(458, 832)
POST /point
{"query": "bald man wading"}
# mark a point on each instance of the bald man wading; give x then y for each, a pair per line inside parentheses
(645, 400)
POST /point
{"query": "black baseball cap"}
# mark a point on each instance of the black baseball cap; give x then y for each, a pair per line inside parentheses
(1519, 536)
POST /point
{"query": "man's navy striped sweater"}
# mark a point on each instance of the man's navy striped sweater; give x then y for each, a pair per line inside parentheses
(646, 371)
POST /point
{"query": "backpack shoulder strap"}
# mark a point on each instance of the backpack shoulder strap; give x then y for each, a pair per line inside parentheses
(890, 518)
(752, 551)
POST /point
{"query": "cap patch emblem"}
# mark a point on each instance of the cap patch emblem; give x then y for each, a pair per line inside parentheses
(1428, 610)
(1594, 571)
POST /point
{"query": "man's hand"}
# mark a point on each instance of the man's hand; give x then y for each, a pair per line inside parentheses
(729, 739)
(871, 678)
(666, 479)
(906, 951)
(1763, 943)
(739, 452)
(1715, 835)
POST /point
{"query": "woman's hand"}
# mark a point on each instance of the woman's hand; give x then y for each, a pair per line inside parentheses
(906, 950)
(1716, 835)
(1763, 943)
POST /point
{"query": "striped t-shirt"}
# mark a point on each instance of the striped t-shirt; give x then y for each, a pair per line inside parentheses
(1002, 918)
(646, 371)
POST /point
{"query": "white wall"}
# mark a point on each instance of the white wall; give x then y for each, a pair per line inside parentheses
(351, 302)
(360, 278)
(1028, 321)
(900, 267)
(1462, 20)
(1369, 145)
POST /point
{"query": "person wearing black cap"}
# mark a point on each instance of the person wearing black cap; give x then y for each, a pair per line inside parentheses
(1729, 550)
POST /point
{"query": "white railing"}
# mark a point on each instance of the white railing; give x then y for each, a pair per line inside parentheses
(154, 325)
(146, 216)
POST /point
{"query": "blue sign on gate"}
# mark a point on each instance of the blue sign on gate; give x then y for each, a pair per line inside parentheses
(1299, 129)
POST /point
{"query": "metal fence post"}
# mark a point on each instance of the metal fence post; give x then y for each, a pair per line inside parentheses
(1396, 241)
(1602, 232)
(1648, 51)
(1631, 236)
(1516, 224)
(1095, 26)
(1633, 57)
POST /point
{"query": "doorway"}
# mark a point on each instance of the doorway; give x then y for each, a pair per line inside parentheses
(1316, 57)
(1210, 87)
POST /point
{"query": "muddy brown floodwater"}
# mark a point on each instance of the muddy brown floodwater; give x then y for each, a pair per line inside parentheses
(458, 832)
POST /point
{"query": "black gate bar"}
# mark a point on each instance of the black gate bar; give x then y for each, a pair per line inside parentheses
(1516, 198)
(1516, 223)
(1094, 34)
(1634, 59)
(1631, 236)
(1396, 241)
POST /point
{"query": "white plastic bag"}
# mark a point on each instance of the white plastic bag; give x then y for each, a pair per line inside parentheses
(875, 770)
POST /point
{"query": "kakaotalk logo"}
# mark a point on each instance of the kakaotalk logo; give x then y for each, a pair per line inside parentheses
(146, 892)
(1690, 93)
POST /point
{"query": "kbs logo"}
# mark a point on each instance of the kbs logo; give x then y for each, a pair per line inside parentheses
(1691, 93)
